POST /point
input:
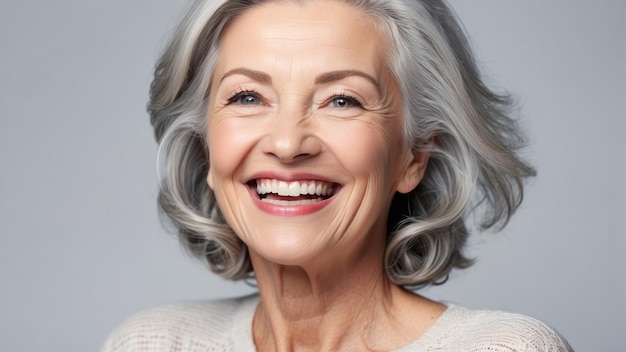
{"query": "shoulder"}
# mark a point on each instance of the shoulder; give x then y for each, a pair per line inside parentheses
(488, 330)
(189, 326)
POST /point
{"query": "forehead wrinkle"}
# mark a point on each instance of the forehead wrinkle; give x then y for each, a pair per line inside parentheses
(299, 29)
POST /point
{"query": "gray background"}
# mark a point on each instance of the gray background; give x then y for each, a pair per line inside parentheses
(81, 247)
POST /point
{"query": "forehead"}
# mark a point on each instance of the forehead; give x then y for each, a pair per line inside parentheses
(303, 35)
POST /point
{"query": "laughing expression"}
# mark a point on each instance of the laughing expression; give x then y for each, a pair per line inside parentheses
(305, 131)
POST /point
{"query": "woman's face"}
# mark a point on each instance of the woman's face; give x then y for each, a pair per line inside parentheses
(305, 131)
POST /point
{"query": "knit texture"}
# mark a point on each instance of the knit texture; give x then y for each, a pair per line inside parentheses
(226, 325)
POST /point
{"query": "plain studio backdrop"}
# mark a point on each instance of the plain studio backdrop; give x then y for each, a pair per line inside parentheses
(81, 247)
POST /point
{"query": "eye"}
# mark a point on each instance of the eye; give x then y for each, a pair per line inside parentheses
(249, 98)
(343, 102)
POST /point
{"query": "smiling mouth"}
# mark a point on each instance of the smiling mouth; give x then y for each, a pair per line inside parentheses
(293, 193)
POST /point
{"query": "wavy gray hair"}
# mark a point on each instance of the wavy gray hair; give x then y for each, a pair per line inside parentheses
(473, 167)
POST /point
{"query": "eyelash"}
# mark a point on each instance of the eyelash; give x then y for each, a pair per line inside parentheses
(240, 93)
(353, 101)
(350, 99)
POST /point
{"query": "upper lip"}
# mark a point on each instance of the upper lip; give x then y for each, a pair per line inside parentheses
(289, 176)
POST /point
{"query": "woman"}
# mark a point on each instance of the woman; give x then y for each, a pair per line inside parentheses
(334, 151)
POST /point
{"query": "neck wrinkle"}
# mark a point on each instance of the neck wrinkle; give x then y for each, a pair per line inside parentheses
(319, 312)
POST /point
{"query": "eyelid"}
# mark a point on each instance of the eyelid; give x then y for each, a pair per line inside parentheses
(351, 97)
(232, 98)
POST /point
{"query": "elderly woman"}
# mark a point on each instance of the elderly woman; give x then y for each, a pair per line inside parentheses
(333, 150)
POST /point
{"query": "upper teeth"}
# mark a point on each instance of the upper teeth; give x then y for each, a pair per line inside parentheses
(293, 189)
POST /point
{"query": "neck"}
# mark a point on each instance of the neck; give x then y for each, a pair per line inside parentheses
(327, 305)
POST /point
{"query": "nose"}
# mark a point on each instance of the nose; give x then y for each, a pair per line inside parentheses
(289, 138)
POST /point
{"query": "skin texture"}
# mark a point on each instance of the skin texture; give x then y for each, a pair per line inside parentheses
(300, 96)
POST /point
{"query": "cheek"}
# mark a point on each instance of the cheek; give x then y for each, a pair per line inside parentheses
(229, 140)
(363, 148)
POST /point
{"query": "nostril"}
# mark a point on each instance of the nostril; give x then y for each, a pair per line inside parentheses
(290, 158)
(301, 155)
(290, 146)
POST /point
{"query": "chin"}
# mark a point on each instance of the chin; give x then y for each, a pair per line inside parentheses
(285, 249)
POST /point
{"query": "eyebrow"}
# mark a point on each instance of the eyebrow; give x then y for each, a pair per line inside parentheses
(339, 75)
(258, 76)
(326, 77)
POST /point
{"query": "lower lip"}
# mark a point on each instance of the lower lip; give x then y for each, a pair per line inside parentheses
(289, 210)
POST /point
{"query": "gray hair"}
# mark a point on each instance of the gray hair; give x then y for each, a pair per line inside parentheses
(473, 170)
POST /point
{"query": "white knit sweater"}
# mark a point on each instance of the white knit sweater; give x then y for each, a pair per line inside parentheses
(226, 325)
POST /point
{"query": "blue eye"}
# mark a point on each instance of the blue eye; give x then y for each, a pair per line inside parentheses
(344, 102)
(245, 98)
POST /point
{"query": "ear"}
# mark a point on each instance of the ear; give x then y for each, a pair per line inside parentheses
(209, 178)
(413, 171)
